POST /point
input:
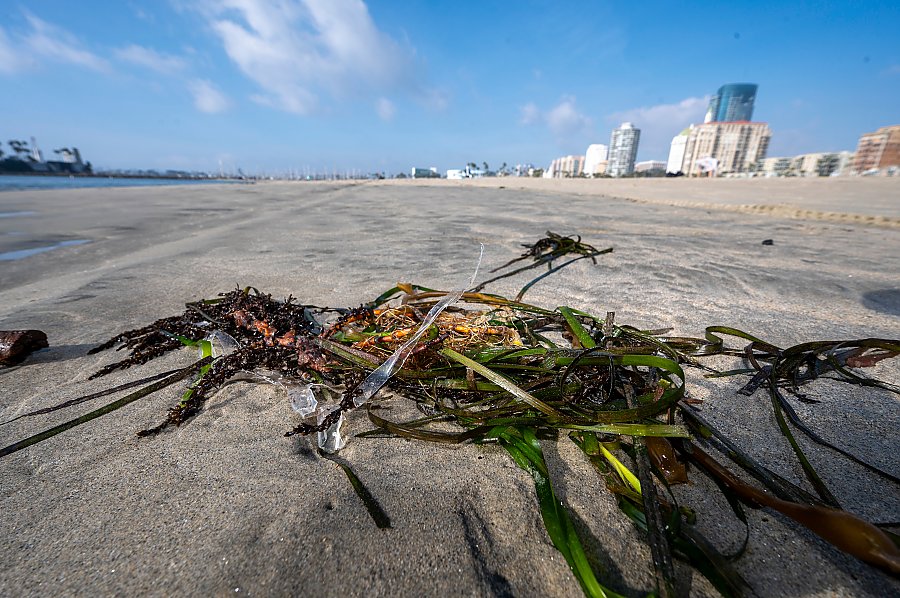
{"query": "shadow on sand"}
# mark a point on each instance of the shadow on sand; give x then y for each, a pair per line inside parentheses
(886, 301)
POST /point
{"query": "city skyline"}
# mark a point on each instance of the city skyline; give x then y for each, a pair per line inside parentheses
(287, 85)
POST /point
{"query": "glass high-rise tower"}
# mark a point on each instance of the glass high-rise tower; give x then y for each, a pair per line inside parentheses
(732, 103)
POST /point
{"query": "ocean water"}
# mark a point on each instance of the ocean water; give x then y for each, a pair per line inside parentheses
(20, 254)
(19, 183)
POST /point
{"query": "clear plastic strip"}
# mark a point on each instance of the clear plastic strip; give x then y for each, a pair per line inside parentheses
(380, 376)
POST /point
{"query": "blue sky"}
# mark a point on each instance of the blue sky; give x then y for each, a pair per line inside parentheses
(272, 85)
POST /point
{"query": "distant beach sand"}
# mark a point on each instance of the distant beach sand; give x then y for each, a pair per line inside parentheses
(872, 200)
(227, 505)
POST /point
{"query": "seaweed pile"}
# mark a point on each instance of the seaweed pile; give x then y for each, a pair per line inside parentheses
(504, 371)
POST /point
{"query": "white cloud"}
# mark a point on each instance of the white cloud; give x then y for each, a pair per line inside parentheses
(530, 114)
(434, 99)
(658, 124)
(10, 60)
(46, 41)
(57, 44)
(564, 120)
(207, 97)
(683, 113)
(297, 51)
(141, 13)
(385, 109)
(151, 59)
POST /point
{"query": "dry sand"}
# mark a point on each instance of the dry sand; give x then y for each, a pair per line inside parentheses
(226, 505)
(872, 201)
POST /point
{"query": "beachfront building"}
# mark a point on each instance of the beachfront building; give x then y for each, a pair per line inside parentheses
(27, 159)
(807, 165)
(821, 164)
(878, 151)
(774, 166)
(523, 170)
(623, 147)
(826, 164)
(845, 163)
(675, 163)
(596, 159)
(733, 102)
(424, 173)
(566, 167)
(736, 147)
(830, 164)
(650, 168)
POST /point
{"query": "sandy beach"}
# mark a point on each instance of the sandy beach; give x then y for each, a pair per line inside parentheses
(226, 505)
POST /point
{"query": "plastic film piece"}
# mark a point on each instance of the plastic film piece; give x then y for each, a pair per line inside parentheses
(331, 440)
(305, 398)
(382, 374)
(302, 399)
(222, 343)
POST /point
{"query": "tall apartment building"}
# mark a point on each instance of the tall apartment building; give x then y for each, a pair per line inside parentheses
(595, 159)
(623, 146)
(566, 167)
(676, 151)
(880, 149)
(733, 102)
(737, 147)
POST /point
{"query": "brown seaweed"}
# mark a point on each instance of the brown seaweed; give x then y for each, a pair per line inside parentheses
(16, 345)
(496, 368)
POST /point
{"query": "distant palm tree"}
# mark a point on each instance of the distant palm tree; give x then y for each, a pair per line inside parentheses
(20, 147)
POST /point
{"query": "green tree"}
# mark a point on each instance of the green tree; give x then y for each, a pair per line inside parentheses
(20, 147)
